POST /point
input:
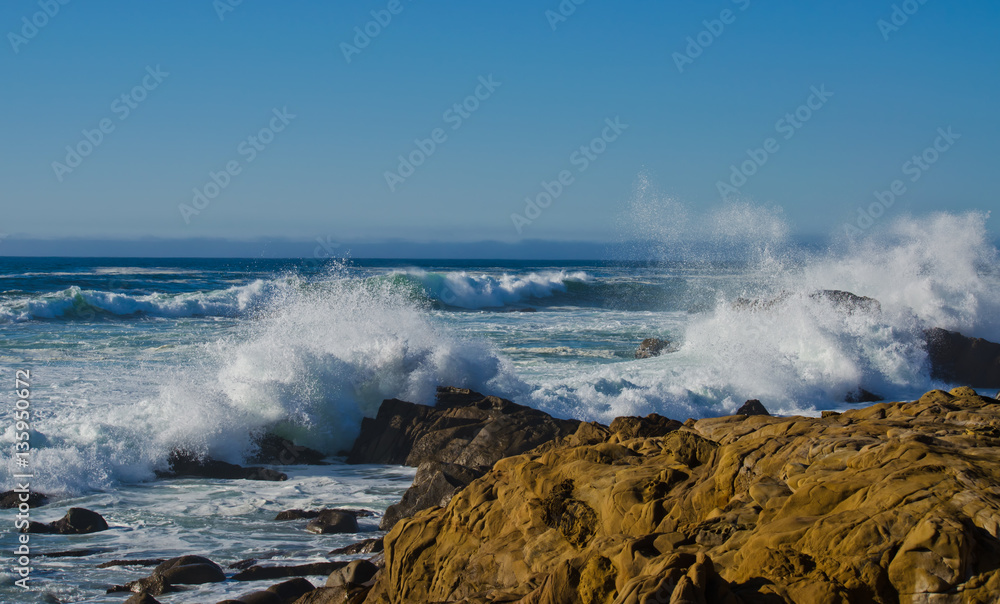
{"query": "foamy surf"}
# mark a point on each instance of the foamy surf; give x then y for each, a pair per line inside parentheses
(309, 356)
(462, 289)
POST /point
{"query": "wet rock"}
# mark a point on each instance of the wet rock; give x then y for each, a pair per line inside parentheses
(292, 590)
(12, 499)
(183, 570)
(889, 503)
(464, 427)
(187, 464)
(190, 570)
(275, 450)
(77, 521)
(368, 546)
(354, 574)
(651, 347)
(957, 359)
(759, 304)
(330, 522)
(261, 573)
(752, 407)
(847, 301)
(434, 485)
(653, 424)
(153, 585)
(862, 396)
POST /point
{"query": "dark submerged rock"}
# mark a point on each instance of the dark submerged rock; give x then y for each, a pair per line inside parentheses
(752, 407)
(651, 347)
(434, 485)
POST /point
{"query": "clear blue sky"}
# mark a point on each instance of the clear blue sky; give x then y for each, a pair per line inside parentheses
(325, 173)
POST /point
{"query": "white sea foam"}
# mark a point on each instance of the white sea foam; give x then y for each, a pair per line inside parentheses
(309, 366)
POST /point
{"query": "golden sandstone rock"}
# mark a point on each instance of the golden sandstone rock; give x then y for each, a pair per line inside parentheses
(891, 503)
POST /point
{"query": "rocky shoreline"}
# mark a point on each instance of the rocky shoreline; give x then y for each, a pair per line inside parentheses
(890, 503)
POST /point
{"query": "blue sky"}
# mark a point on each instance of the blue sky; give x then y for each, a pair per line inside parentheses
(555, 84)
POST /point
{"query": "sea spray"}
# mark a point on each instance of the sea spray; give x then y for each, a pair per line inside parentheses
(308, 364)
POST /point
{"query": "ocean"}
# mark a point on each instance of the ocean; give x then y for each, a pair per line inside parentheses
(133, 358)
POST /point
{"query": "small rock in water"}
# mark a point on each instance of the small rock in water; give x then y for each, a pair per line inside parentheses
(12, 499)
(183, 570)
(752, 407)
(333, 521)
(297, 514)
(185, 463)
(77, 521)
(651, 347)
